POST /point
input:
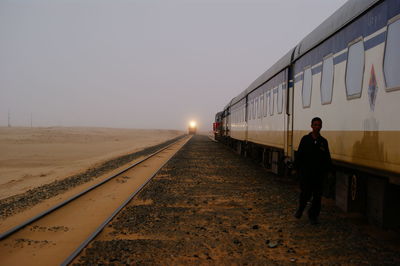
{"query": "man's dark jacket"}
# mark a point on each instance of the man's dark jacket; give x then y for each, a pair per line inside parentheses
(313, 158)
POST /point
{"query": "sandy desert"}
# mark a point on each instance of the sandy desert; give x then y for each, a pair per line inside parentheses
(30, 157)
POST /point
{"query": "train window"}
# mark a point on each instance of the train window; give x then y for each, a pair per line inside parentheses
(271, 102)
(327, 80)
(254, 109)
(262, 105)
(236, 116)
(355, 69)
(248, 111)
(251, 111)
(391, 62)
(258, 103)
(280, 99)
(307, 86)
(266, 105)
(284, 96)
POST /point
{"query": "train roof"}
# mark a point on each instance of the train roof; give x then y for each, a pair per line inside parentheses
(343, 16)
(281, 64)
(227, 106)
(239, 97)
(219, 114)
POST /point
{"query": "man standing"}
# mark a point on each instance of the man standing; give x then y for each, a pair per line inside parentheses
(313, 162)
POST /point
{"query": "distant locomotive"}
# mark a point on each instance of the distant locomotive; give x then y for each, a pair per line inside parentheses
(217, 125)
(192, 128)
(346, 71)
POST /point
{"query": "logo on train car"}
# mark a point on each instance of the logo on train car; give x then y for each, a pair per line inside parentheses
(372, 89)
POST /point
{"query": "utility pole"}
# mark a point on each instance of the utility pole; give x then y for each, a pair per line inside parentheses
(9, 119)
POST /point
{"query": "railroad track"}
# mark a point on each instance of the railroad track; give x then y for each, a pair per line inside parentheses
(59, 234)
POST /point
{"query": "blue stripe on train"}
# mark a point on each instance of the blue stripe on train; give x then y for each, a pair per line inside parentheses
(371, 43)
(378, 39)
(340, 58)
(372, 21)
(298, 78)
(316, 69)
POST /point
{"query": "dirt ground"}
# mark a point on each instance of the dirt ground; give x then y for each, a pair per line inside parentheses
(210, 206)
(30, 157)
(50, 240)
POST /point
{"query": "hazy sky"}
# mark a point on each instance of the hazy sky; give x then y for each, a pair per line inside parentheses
(140, 64)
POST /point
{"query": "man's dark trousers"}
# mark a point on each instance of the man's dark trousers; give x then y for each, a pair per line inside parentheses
(311, 186)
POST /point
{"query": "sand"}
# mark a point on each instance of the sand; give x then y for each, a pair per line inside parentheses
(30, 157)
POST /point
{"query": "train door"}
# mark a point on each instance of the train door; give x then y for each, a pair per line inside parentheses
(246, 107)
(289, 153)
(228, 122)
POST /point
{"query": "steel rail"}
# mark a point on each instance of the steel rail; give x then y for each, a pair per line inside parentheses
(57, 206)
(101, 227)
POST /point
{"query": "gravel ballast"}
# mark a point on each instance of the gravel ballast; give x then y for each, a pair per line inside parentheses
(18, 203)
(210, 206)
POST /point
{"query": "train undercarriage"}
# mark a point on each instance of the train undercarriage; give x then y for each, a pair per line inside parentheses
(354, 189)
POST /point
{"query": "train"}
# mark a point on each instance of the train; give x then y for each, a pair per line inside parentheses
(192, 129)
(346, 71)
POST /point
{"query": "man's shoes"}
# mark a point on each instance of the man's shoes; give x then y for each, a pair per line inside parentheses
(314, 220)
(298, 214)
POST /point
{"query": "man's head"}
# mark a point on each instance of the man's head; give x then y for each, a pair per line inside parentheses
(316, 125)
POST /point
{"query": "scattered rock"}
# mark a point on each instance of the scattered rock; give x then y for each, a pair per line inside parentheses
(273, 244)
(236, 242)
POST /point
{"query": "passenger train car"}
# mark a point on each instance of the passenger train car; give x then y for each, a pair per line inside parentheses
(346, 71)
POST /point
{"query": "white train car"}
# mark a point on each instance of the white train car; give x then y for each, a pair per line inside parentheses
(262, 124)
(347, 71)
(239, 121)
